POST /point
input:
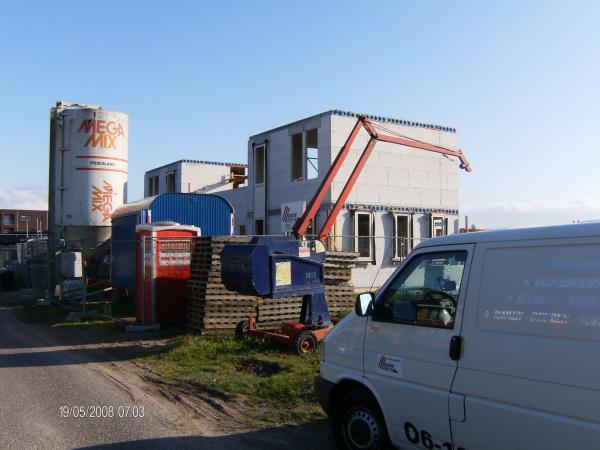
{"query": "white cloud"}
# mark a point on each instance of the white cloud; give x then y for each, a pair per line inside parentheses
(34, 197)
(531, 213)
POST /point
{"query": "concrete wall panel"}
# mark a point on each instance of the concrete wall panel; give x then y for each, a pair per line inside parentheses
(449, 198)
(431, 198)
(394, 177)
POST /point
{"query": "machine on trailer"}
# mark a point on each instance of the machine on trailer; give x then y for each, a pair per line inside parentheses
(281, 267)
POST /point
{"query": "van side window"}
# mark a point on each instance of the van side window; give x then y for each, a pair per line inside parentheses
(425, 292)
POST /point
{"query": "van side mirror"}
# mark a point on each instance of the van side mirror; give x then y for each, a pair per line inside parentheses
(364, 304)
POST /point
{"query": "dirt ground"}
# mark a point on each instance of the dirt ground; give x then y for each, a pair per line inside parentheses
(118, 355)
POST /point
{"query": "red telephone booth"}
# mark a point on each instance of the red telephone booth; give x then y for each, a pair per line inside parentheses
(163, 269)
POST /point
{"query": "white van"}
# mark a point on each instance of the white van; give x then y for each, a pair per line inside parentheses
(479, 341)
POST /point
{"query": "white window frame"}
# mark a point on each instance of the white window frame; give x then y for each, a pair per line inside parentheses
(263, 226)
(371, 234)
(432, 220)
(302, 157)
(172, 173)
(264, 164)
(152, 185)
(307, 160)
(409, 243)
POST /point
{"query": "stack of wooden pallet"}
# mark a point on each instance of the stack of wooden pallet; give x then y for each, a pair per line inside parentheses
(212, 307)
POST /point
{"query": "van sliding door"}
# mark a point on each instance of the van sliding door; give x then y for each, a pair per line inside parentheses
(529, 373)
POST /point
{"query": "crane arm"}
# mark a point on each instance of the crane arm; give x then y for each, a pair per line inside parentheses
(311, 211)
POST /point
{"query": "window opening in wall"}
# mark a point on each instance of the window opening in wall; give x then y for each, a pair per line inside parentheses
(259, 227)
(402, 241)
(259, 164)
(150, 186)
(242, 229)
(439, 226)
(9, 219)
(155, 185)
(310, 230)
(363, 239)
(237, 176)
(297, 157)
(171, 181)
(312, 154)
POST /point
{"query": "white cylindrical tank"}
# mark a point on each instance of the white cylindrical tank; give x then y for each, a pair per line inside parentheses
(88, 176)
(91, 153)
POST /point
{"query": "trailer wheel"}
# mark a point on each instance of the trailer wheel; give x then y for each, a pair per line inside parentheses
(241, 329)
(305, 343)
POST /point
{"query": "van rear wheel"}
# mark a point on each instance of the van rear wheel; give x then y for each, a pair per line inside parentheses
(358, 424)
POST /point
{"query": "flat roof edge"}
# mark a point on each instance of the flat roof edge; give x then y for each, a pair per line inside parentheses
(197, 161)
(375, 118)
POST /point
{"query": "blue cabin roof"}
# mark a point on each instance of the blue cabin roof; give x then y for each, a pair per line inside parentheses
(211, 213)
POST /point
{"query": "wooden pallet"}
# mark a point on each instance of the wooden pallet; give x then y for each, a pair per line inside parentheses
(211, 307)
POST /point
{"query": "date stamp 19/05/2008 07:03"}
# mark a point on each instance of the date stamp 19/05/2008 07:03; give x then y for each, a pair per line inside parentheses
(102, 411)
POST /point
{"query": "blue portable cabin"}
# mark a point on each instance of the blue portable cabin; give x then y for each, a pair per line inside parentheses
(211, 213)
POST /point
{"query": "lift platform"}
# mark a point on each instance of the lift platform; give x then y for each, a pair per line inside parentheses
(281, 267)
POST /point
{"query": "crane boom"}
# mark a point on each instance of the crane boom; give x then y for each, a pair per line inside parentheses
(303, 222)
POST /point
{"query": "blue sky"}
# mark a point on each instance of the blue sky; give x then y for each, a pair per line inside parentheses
(518, 79)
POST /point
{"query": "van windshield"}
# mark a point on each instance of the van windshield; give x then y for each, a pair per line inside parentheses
(425, 292)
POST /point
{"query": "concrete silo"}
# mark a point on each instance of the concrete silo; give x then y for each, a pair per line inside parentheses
(87, 179)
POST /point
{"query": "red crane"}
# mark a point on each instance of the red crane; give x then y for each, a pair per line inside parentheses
(302, 223)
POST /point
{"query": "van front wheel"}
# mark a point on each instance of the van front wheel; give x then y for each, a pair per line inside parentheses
(358, 423)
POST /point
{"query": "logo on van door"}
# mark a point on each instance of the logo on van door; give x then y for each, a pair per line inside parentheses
(390, 364)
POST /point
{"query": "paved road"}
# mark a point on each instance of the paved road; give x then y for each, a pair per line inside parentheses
(38, 376)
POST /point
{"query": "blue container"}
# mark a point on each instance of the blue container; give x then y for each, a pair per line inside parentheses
(252, 269)
(279, 267)
(211, 213)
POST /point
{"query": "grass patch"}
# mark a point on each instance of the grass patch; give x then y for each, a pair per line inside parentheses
(274, 383)
(55, 317)
(83, 323)
(45, 315)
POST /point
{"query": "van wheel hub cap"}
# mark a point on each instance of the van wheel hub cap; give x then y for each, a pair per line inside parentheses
(362, 430)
